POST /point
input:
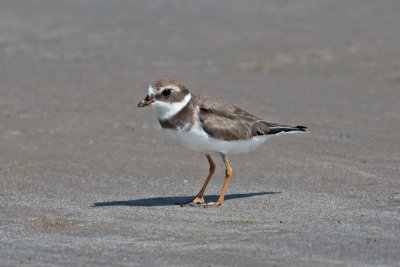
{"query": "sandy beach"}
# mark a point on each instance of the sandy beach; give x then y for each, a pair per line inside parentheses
(88, 179)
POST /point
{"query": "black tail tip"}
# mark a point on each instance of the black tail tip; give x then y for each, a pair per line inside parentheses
(301, 128)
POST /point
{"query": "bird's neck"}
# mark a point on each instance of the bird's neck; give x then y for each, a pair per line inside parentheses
(167, 110)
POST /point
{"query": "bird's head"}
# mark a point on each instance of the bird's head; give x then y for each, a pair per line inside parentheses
(167, 97)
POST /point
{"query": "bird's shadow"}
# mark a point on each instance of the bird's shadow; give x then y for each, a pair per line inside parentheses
(169, 201)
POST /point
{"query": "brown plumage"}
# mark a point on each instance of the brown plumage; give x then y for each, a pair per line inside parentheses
(225, 121)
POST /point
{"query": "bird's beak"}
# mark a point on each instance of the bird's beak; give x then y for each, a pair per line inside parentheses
(145, 102)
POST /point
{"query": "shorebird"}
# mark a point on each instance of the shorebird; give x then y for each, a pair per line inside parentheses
(203, 124)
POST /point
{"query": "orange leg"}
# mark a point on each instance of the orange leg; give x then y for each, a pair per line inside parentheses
(228, 173)
(199, 199)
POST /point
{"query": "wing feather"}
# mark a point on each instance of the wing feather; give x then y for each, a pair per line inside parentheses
(227, 122)
(224, 121)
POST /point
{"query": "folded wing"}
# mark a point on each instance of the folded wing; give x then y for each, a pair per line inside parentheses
(227, 122)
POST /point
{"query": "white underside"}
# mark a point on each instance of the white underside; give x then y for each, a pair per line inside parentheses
(198, 140)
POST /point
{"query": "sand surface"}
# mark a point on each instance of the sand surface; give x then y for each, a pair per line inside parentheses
(88, 179)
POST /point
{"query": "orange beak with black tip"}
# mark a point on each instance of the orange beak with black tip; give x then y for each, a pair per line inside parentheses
(145, 102)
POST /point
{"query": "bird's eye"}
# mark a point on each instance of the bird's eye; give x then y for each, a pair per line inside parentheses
(166, 92)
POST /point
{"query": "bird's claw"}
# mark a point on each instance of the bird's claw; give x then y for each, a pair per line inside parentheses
(197, 201)
(211, 204)
(201, 204)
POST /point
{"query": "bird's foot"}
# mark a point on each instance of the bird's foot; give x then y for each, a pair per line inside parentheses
(197, 201)
(211, 204)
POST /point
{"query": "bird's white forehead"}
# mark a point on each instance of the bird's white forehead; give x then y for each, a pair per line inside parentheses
(154, 91)
(151, 91)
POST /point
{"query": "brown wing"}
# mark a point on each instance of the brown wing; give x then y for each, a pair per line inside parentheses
(227, 122)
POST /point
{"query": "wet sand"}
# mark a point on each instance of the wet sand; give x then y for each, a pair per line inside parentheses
(86, 178)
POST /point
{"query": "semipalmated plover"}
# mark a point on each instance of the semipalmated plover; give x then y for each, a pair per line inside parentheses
(203, 124)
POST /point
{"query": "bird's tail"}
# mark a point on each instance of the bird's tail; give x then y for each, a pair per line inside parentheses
(275, 128)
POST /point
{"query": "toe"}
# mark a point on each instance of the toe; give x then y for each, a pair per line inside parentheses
(211, 204)
(194, 203)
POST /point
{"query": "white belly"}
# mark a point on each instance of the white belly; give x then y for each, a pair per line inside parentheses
(198, 140)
